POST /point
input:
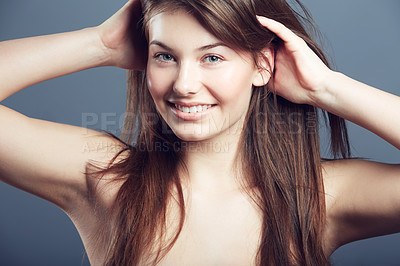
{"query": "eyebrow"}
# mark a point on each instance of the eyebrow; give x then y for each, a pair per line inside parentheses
(202, 48)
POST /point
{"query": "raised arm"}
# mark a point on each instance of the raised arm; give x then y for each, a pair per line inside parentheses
(28, 61)
(363, 197)
(46, 158)
(306, 80)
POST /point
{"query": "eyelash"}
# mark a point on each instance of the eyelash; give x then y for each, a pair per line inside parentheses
(159, 58)
(219, 59)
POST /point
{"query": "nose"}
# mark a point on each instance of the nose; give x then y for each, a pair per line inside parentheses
(187, 81)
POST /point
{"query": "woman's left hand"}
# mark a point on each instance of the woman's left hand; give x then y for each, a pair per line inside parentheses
(299, 76)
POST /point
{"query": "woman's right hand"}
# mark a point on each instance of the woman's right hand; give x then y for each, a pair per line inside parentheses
(121, 38)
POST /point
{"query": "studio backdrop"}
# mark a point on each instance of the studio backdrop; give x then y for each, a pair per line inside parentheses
(361, 37)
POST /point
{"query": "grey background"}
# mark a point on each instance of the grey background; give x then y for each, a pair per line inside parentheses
(362, 36)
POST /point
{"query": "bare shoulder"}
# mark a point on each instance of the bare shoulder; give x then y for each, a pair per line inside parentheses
(93, 213)
(362, 199)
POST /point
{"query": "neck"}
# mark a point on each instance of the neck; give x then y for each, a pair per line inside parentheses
(212, 163)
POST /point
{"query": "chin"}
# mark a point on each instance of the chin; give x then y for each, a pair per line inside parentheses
(190, 137)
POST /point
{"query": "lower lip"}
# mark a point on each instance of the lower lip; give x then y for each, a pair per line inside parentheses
(190, 116)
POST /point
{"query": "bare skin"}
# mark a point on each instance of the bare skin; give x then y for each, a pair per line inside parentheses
(362, 197)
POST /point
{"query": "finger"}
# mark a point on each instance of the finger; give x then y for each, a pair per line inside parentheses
(279, 29)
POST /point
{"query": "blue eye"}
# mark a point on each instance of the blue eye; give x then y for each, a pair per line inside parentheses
(212, 59)
(164, 57)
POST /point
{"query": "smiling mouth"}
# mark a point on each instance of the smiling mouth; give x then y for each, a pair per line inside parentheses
(192, 109)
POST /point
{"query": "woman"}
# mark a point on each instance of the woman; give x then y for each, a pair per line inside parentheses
(188, 71)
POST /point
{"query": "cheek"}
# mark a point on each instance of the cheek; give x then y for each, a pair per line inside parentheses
(230, 85)
(158, 82)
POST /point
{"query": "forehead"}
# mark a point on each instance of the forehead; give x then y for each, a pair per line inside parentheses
(178, 26)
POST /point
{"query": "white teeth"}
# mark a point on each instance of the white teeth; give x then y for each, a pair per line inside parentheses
(192, 109)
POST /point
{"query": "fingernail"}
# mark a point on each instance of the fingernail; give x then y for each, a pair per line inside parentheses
(262, 17)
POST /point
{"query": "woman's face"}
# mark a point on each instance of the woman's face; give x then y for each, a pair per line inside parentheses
(200, 86)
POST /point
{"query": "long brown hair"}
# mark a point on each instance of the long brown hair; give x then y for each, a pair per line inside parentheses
(279, 151)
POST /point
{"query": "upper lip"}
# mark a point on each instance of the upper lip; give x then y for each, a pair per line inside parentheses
(189, 104)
